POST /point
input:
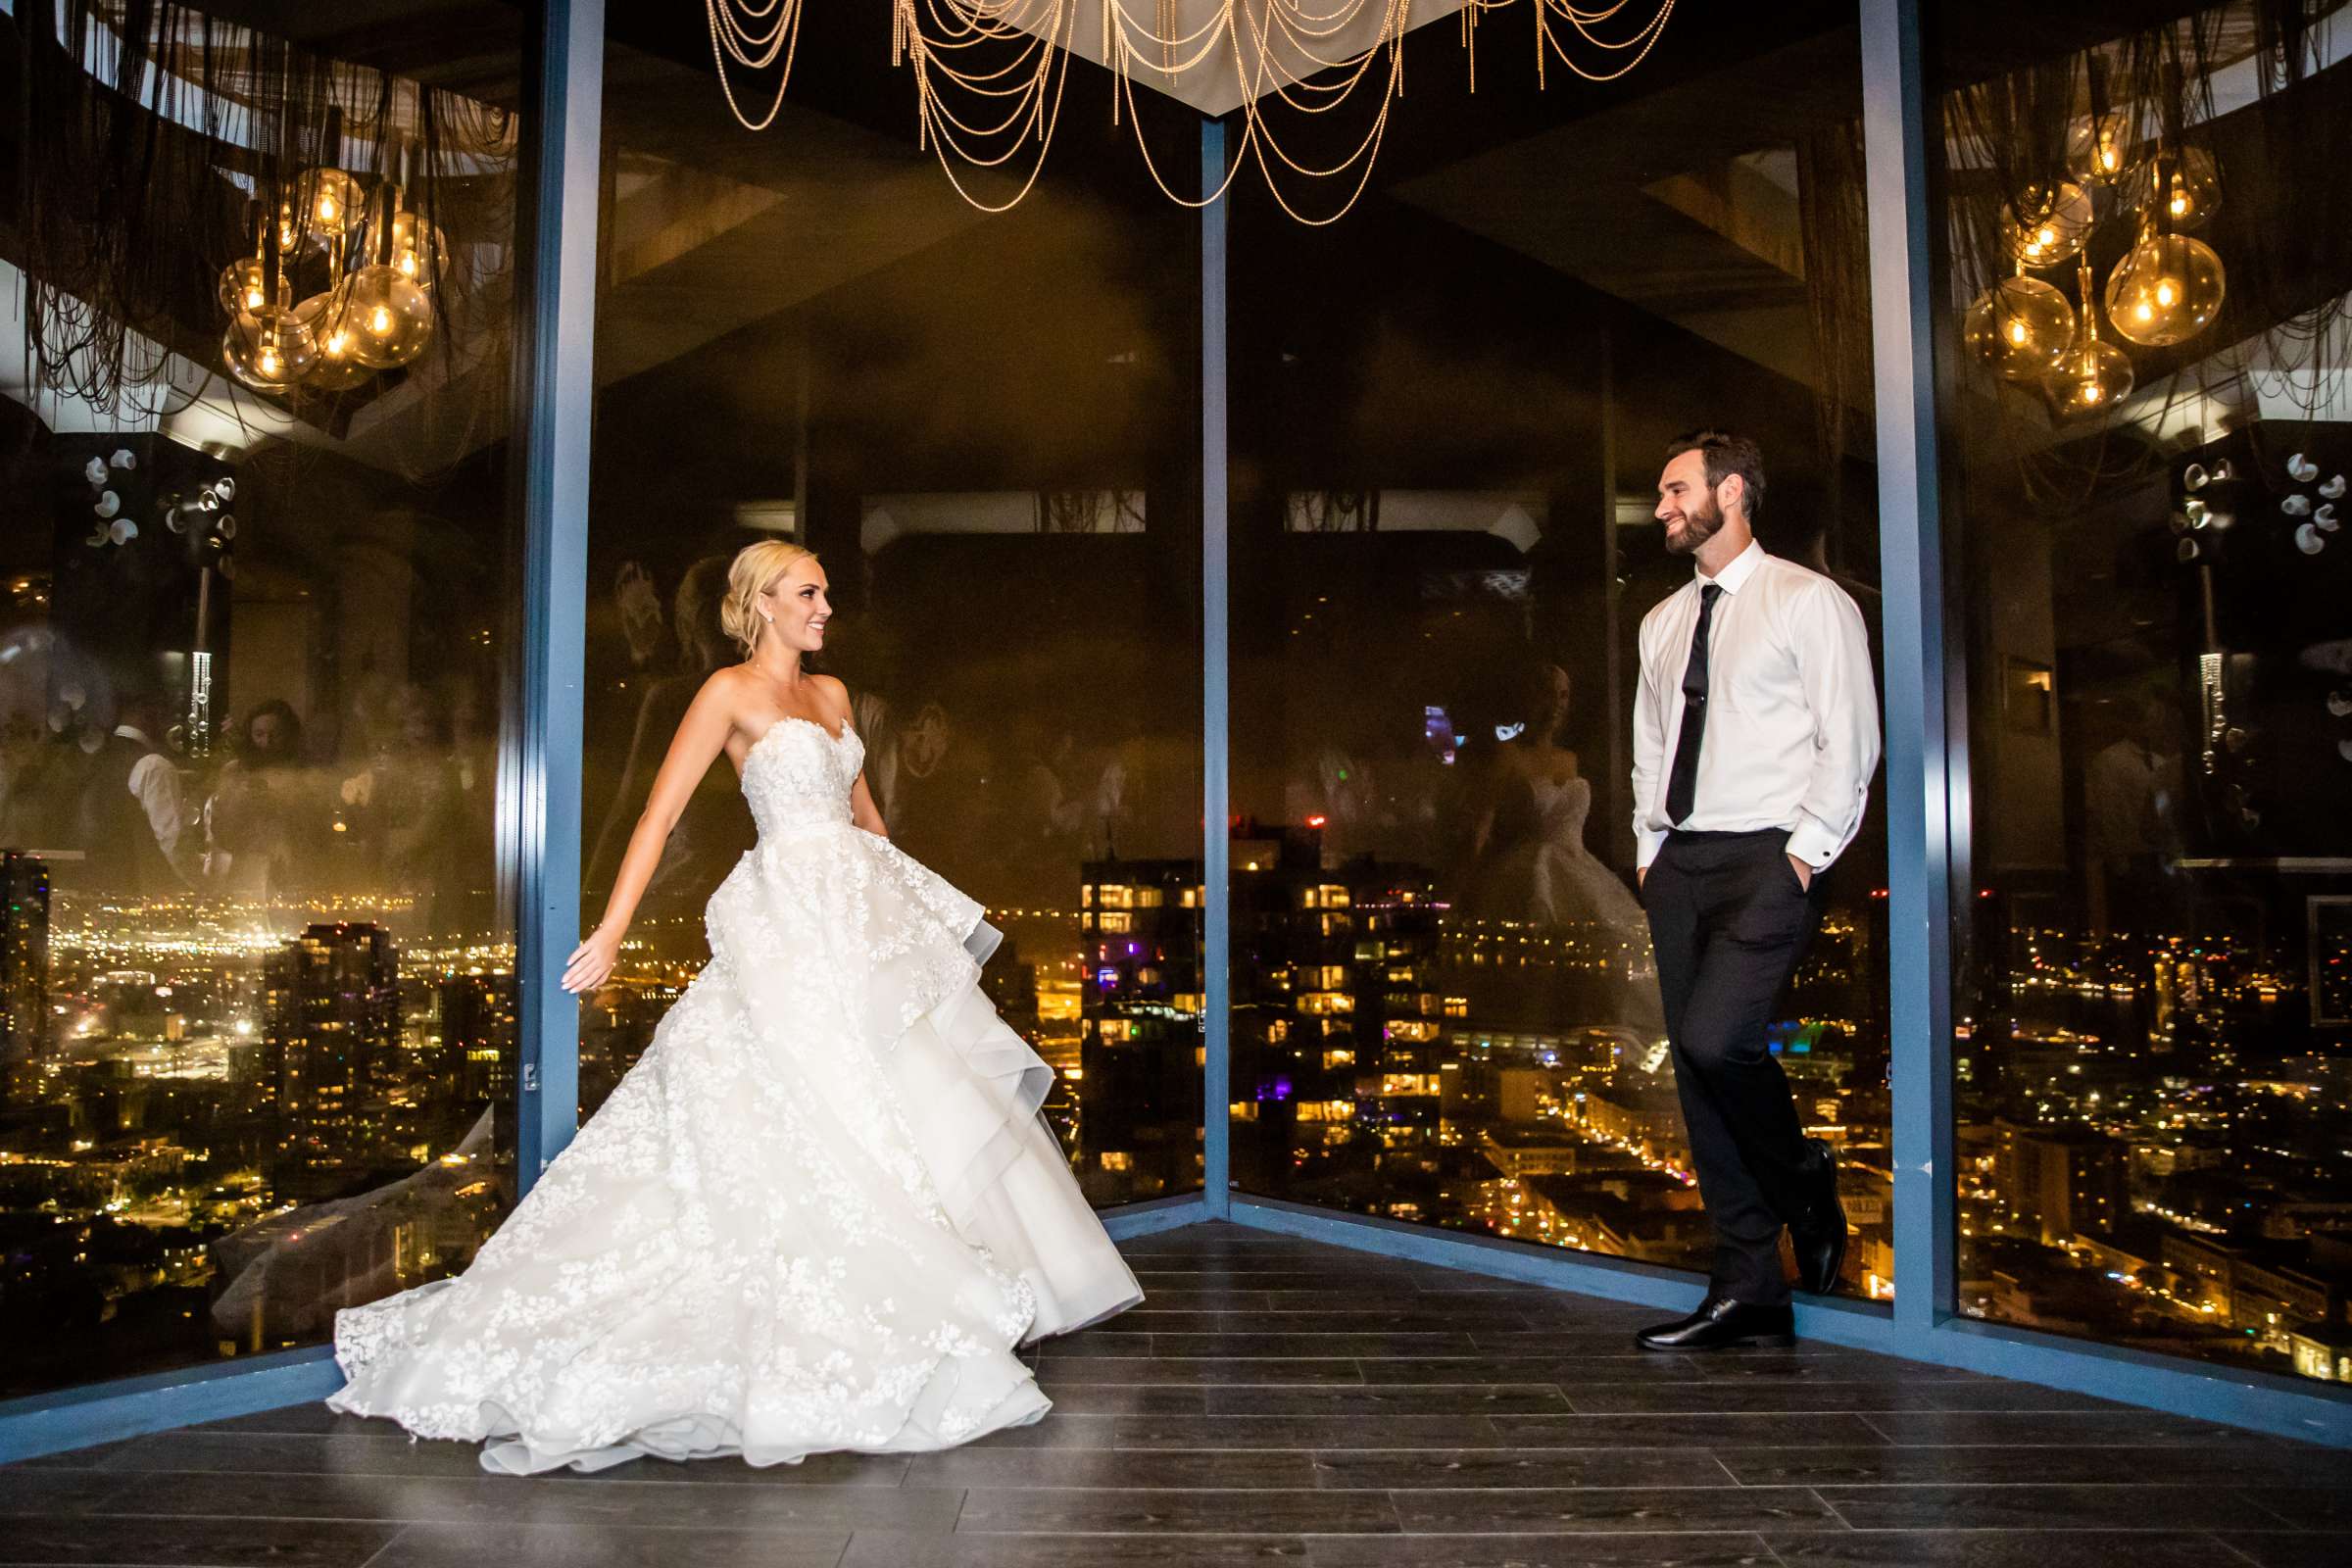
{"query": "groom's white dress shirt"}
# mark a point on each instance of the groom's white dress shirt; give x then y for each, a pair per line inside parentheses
(1791, 718)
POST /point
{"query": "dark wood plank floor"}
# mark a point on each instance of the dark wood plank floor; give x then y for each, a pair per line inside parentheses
(1277, 1401)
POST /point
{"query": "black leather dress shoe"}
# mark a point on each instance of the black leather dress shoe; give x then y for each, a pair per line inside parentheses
(1818, 1238)
(1720, 1322)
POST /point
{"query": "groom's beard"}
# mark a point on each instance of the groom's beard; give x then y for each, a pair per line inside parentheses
(1701, 522)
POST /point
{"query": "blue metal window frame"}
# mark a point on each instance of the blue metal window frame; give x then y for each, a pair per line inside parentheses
(1925, 802)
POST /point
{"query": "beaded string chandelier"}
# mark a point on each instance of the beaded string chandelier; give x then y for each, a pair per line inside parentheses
(990, 74)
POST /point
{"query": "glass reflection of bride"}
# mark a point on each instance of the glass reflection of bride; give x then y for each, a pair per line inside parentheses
(1528, 859)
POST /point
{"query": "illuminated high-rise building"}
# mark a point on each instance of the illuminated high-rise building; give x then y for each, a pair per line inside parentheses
(24, 973)
(331, 1039)
(1139, 1058)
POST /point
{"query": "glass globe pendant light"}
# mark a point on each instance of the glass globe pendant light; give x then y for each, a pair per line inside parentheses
(2103, 148)
(2093, 376)
(2167, 290)
(2020, 327)
(331, 204)
(390, 318)
(419, 250)
(324, 316)
(244, 286)
(2047, 223)
(268, 348)
(2184, 188)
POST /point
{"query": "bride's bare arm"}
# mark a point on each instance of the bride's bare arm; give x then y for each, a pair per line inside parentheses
(701, 735)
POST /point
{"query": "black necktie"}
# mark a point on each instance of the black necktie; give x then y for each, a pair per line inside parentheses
(1682, 785)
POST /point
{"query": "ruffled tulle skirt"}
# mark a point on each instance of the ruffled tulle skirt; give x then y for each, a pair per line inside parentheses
(821, 1213)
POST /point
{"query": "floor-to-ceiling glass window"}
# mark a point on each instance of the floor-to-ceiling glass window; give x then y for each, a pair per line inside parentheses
(1450, 413)
(2147, 434)
(985, 424)
(257, 618)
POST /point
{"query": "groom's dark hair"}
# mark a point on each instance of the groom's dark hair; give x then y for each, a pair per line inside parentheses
(1726, 454)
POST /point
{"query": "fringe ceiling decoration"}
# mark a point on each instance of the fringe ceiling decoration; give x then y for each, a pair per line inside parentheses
(988, 73)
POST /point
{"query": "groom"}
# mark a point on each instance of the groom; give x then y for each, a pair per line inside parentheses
(1755, 731)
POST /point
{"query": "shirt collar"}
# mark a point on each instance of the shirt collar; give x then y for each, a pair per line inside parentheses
(1733, 576)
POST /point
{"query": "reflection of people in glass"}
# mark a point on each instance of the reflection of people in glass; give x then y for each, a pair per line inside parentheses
(37, 786)
(713, 831)
(822, 1210)
(134, 820)
(1756, 734)
(420, 801)
(1528, 857)
(2130, 806)
(263, 818)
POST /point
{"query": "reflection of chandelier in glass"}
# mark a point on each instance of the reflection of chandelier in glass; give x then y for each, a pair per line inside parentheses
(2020, 327)
(988, 73)
(2093, 376)
(2165, 292)
(374, 312)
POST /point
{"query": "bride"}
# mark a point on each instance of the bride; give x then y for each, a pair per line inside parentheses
(822, 1211)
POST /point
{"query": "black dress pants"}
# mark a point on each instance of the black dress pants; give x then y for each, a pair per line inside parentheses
(1728, 921)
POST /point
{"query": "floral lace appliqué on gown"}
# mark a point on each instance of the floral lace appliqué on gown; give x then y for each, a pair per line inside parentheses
(821, 1213)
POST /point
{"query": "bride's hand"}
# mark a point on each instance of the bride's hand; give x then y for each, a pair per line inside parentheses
(590, 962)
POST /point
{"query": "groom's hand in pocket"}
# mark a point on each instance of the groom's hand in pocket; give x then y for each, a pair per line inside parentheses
(1804, 873)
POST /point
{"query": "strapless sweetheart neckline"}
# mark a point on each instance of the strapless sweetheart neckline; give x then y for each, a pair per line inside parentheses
(770, 733)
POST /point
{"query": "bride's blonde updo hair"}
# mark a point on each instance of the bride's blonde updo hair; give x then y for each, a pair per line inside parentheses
(755, 569)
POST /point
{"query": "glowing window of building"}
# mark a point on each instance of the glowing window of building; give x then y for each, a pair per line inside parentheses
(1321, 1003)
(1243, 1110)
(1086, 895)
(1117, 923)
(1150, 898)
(1115, 1029)
(1416, 1030)
(1334, 897)
(1339, 1057)
(1117, 1159)
(1326, 1110)
(1408, 1083)
(1457, 1006)
(1114, 896)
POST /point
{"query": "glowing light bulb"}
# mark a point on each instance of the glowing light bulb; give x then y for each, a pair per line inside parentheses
(394, 315)
(2166, 291)
(267, 362)
(2047, 224)
(326, 209)
(2020, 327)
(2091, 392)
(255, 299)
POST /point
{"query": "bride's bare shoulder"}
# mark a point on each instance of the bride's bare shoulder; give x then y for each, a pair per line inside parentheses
(721, 695)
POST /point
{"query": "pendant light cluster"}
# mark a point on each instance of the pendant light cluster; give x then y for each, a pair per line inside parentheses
(338, 287)
(2167, 288)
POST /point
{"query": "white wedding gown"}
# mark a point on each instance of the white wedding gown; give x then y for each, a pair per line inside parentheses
(1547, 877)
(820, 1213)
